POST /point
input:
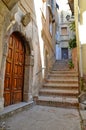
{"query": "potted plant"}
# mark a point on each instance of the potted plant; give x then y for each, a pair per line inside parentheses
(72, 43)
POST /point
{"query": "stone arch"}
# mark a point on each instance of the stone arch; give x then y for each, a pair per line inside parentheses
(18, 28)
(29, 58)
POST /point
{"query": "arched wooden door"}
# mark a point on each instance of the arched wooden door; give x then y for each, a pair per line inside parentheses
(14, 73)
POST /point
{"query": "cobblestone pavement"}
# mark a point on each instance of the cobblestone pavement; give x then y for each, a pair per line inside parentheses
(44, 118)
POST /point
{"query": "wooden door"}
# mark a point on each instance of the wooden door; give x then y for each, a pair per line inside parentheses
(14, 73)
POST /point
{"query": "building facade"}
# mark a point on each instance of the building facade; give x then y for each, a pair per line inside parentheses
(27, 48)
(80, 15)
(63, 36)
(79, 9)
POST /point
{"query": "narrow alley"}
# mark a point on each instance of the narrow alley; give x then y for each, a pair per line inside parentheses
(42, 65)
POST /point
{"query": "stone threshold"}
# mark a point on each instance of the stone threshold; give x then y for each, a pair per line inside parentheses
(13, 109)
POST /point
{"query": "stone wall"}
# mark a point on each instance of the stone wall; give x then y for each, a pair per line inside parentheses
(3, 11)
(23, 18)
(11, 21)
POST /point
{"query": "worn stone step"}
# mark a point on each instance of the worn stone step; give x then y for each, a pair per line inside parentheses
(62, 65)
(55, 92)
(61, 68)
(15, 108)
(61, 86)
(66, 69)
(61, 80)
(63, 72)
(58, 102)
(63, 75)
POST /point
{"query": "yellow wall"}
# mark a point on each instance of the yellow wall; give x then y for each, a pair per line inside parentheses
(80, 20)
(84, 58)
(82, 5)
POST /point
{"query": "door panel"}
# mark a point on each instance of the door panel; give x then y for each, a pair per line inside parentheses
(64, 53)
(14, 74)
(8, 74)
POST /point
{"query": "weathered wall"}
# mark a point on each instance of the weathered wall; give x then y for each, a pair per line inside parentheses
(84, 58)
(3, 11)
(83, 25)
(80, 20)
(82, 31)
(11, 22)
(37, 38)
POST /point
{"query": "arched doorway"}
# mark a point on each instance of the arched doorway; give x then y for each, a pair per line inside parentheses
(14, 73)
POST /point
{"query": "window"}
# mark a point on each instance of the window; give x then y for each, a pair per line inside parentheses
(64, 31)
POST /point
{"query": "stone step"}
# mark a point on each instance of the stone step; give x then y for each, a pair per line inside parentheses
(63, 72)
(58, 102)
(60, 86)
(61, 66)
(12, 109)
(62, 81)
(63, 75)
(62, 78)
(55, 92)
(61, 69)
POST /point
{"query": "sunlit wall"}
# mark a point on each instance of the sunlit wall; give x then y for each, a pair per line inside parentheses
(80, 18)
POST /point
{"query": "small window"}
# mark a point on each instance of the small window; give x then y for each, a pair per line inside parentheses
(64, 31)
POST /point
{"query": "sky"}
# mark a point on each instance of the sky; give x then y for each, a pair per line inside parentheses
(63, 5)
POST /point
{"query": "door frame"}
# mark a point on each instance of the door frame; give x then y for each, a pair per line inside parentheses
(29, 63)
(13, 94)
(62, 53)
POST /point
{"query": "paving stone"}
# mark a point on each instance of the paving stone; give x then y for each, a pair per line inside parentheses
(45, 118)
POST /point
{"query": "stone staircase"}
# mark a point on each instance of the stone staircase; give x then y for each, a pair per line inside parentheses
(61, 65)
(61, 88)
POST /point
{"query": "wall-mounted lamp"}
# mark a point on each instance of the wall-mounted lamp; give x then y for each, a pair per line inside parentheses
(68, 17)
